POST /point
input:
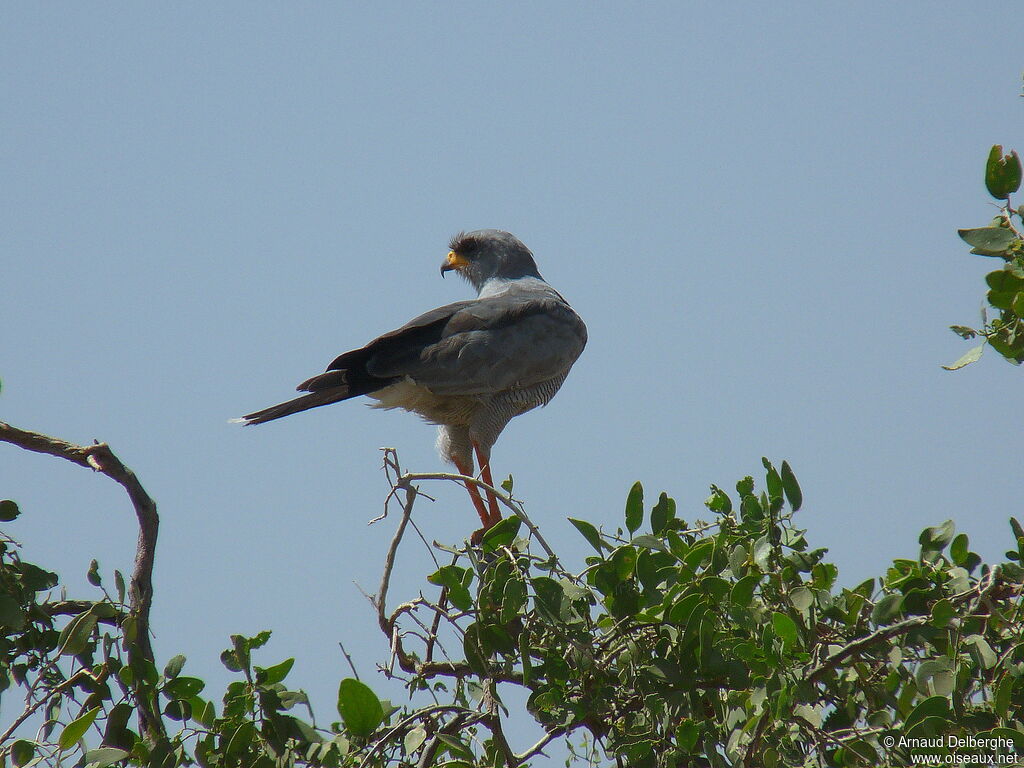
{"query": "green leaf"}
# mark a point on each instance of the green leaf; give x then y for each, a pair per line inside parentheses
(184, 687)
(456, 579)
(762, 551)
(414, 739)
(501, 534)
(22, 751)
(104, 756)
(663, 512)
(989, 240)
(772, 479)
(456, 747)
(590, 533)
(204, 713)
(959, 549)
(942, 613)
(887, 609)
(178, 709)
(75, 730)
(548, 596)
(274, 674)
(94, 573)
(241, 738)
(359, 707)
(699, 552)
(1017, 304)
(743, 590)
(791, 487)
(785, 628)
(513, 599)
(36, 579)
(11, 615)
(623, 561)
(801, 598)
(1004, 693)
(971, 356)
(981, 651)
(173, 667)
(649, 542)
(76, 634)
(473, 646)
(936, 539)
(936, 706)
(103, 610)
(1002, 173)
(119, 586)
(718, 501)
(635, 507)
(8, 511)
(687, 734)
(116, 732)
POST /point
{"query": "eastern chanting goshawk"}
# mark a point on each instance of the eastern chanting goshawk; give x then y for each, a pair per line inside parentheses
(468, 367)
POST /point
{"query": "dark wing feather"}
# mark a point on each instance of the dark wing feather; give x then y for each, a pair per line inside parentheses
(405, 343)
(347, 376)
(491, 345)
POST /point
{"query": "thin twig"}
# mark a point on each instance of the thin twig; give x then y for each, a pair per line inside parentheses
(75, 678)
(348, 659)
(442, 601)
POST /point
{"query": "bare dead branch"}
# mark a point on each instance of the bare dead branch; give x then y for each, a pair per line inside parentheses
(100, 458)
(349, 660)
(387, 626)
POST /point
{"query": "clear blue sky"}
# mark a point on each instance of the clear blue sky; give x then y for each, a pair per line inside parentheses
(752, 206)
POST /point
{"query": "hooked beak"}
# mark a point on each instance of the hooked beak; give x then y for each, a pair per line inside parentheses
(452, 261)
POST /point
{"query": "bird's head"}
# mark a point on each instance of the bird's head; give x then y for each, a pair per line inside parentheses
(489, 253)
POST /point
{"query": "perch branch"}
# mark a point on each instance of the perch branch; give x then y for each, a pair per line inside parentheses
(513, 505)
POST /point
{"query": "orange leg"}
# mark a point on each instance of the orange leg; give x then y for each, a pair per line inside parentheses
(492, 500)
(474, 493)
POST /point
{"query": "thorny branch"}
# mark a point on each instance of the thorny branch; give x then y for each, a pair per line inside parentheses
(100, 458)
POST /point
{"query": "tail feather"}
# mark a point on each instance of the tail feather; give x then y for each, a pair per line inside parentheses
(303, 403)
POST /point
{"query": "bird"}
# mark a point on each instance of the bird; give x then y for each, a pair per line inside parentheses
(469, 367)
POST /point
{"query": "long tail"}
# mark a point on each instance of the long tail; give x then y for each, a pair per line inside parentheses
(303, 403)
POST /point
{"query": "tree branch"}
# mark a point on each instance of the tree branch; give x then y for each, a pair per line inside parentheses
(75, 607)
(983, 589)
(100, 458)
(73, 680)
